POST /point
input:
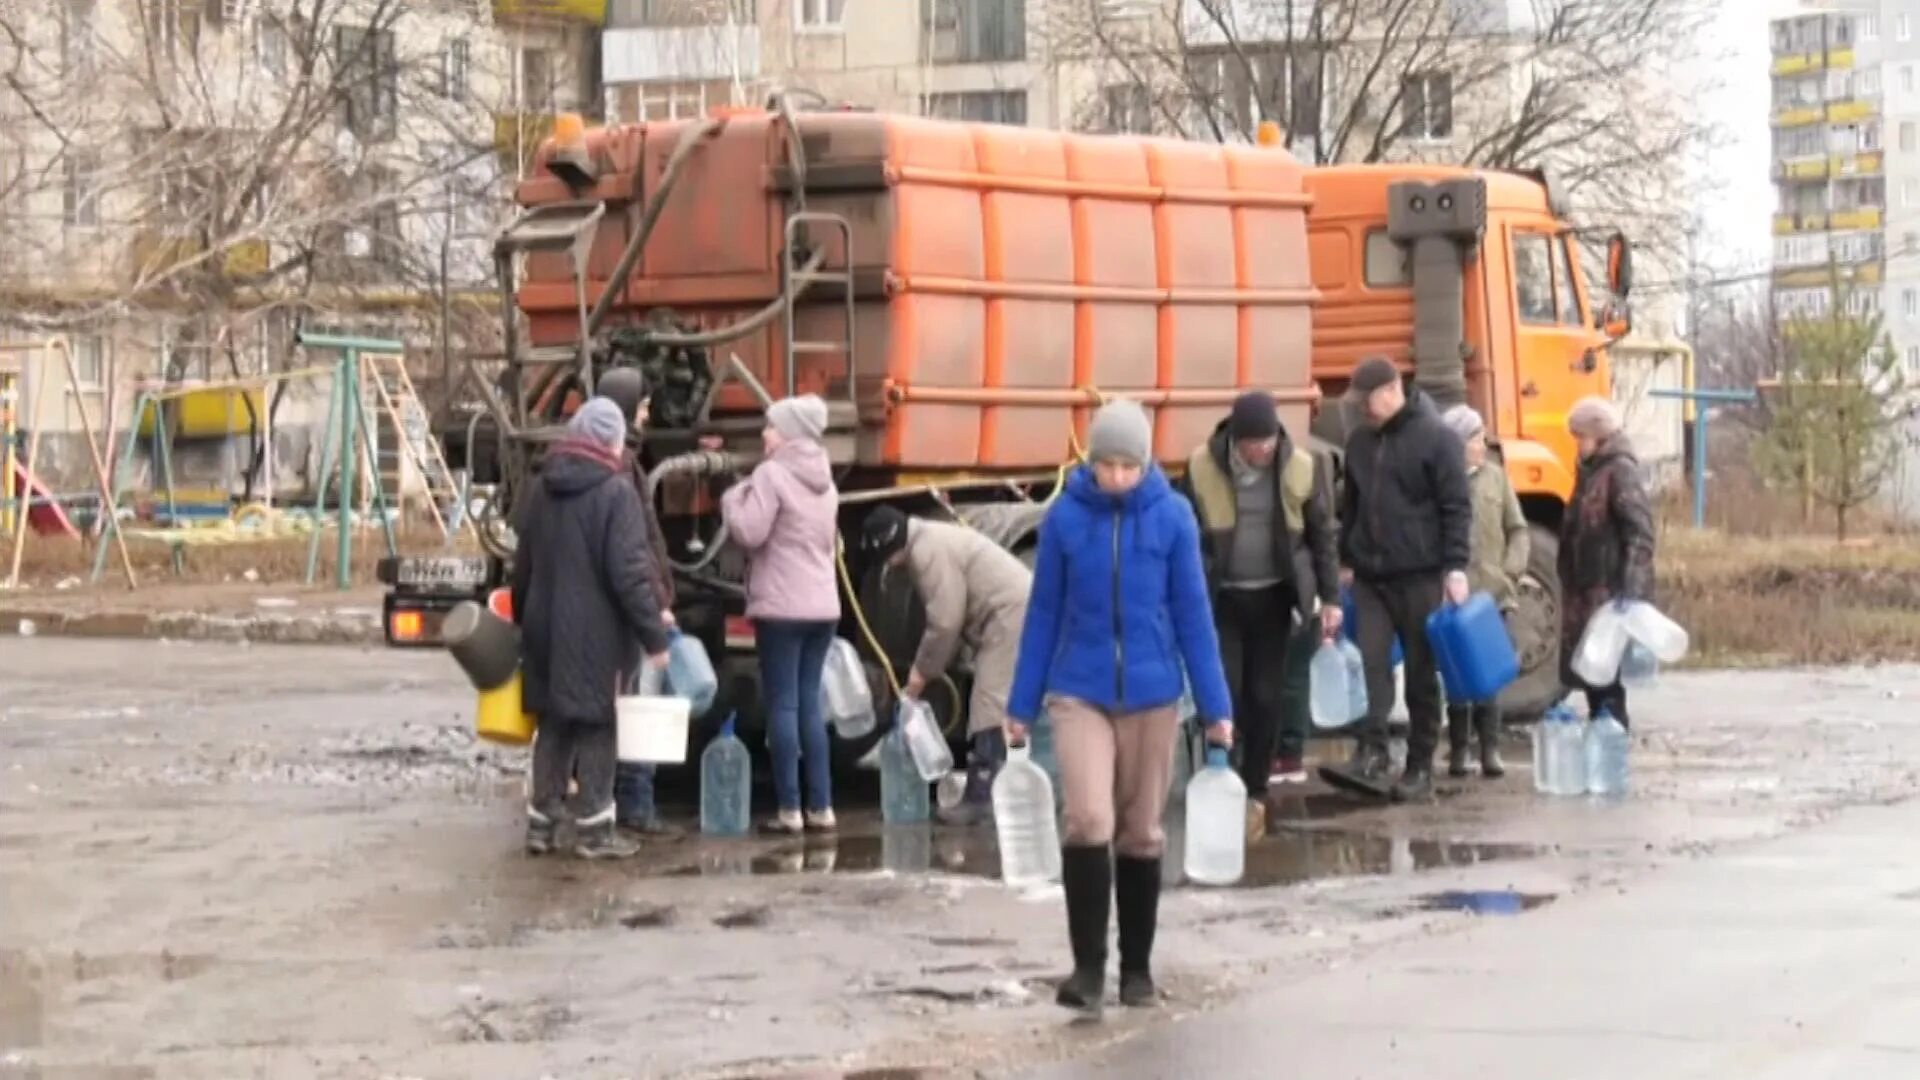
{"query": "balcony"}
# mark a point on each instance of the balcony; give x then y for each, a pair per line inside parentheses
(1802, 169)
(1852, 111)
(1867, 217)
(1814, 277)
(1810, 222)
(1799, 63)
(1871, 163)
(156, 252)
(589, 12)
(679, 54)
(1798, 116)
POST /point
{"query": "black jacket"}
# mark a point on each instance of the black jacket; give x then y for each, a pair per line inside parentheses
(1407, 509)
(583, 586)
(1310, 557)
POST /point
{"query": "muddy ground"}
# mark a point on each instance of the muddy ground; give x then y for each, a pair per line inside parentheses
(293, 862)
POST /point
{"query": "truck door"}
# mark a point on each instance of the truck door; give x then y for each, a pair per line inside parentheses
(1556, 361)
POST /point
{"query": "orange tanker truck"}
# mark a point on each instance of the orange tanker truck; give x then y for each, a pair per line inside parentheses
(963, 295)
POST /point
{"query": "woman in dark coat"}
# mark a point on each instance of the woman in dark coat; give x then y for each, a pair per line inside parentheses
(1606, 539)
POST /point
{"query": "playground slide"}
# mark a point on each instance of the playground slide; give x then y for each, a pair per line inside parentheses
(45, 515)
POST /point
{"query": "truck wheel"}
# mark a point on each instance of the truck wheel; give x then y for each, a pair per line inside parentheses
(1535, 626)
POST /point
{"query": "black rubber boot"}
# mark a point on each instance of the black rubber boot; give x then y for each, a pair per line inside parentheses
(1087, 874)
(540, 829)
(1137, 890)
(598, 838)
(1416, 783)
(1487, 720)
(1459, 719)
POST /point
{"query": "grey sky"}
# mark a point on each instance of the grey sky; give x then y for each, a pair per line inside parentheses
(1737, 213)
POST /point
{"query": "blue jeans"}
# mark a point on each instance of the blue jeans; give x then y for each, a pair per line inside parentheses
(793, 655)
(633, 794)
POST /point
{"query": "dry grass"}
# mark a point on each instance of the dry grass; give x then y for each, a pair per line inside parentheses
(280, 560)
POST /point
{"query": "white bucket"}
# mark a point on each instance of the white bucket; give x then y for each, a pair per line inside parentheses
(653, 729)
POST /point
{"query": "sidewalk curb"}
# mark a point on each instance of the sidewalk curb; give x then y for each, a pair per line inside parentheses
(318, 628)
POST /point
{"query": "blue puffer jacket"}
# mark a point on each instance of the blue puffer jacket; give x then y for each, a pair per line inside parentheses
(1119, 603)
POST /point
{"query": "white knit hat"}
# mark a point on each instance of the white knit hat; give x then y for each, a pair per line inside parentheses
(803, 417)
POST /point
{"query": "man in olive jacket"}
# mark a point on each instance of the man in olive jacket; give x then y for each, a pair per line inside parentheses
(1271, 545)
(1501, 548)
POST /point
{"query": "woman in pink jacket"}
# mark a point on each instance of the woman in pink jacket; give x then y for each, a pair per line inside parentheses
(786, 518)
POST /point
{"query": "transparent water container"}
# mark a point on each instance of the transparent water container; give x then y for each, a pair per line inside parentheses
(914, 720)
(1568, 756)
(1638, 666)
(1663, 637)
(1023, 820)
(1606, 756)
(1216, 841)
(690, 672)
(726, 785)
(1356, 680)
(845, 696)
(1596, 659)
(903, 791)
(1329, 697)
(1040, 744)
(951, 791)
(1547, 736)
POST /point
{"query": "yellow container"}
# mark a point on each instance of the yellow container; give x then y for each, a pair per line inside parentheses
(499, 717)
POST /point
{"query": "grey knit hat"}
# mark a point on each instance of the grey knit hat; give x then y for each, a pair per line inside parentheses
(1120, 429)
(599, 421)
(803, 417)
(1465, 422)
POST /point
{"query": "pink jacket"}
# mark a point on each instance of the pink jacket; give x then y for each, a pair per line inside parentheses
(786, 517)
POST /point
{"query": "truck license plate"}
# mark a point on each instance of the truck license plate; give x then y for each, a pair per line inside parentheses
(456, 571)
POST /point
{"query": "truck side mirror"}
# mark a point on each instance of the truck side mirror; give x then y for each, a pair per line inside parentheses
(1620, 266)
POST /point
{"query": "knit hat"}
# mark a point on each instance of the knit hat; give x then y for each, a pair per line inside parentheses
(1253, 416)
(1594, 416)
(625, 387)
(1119, 429)
(1464, 421)
(803, 417)
(884, 532)
(599, 422)
(1372, 374)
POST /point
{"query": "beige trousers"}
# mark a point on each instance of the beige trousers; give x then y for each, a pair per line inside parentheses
(1115, 768)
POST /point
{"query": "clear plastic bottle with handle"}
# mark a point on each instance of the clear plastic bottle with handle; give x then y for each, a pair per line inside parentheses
(1569, 763)
(690, 672)
(1023, 821)
(726, 785)
(914, 720)
(1216, 823)
(1329, 697)
(1606, 754)
(1356, 680)
(903, 791)
(845, 695)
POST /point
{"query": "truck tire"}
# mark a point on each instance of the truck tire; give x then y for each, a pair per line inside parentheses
(1535, 626)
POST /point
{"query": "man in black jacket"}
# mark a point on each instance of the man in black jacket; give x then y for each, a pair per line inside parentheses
(1267, 530)
(583, 588)
(1406, 518)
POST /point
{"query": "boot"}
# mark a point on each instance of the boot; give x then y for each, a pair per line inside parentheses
(598, 837)
(1457, 723)
(1087, 873)
(1487, 720)
(540, 831)
(1416, 782)
(1137, 890)
(1370, 772)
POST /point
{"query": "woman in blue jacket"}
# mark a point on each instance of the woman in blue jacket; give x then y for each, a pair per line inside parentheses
(1119, 609)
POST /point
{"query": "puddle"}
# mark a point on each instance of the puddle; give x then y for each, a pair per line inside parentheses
(1484, 901)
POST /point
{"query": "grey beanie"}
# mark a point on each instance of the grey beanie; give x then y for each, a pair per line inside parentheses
(803, 417)
(600, 422)
(1464, 421)
(1120, 429)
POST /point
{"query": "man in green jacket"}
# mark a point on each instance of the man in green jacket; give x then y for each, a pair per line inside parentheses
(1501, 547)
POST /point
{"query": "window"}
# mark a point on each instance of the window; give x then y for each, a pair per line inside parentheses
(974, 31)
(1869, 28)
(173, 26)
(1863, 302)
(454, 64)
(1867, 83)
(1910, 303)
(636, 13)
(370, 80)
(80, 188)
(270, 46)
(819, 14)
(1386, 262)
(1907, 137)
(1129, 110)
(1426, 104)
(1563, 283)
(1903, 27)
(90, 360)
(986, 106)
(537, 81)
(1913, 359)
(1907, 192)
(1870, 135)
(76, 38)
(1533, 277)
(1235, 89)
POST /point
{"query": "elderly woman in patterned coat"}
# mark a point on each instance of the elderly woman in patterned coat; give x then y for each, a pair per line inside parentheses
(1606, 539)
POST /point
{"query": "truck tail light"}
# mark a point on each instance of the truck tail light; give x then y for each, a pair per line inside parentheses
(500, 602)
(406, 626)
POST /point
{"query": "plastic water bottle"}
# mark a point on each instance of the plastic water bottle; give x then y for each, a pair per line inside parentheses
(903, 791)
(726, 785)
(1570, 757)
(914, 720)
(845, 696)
(1023, 821)
(1216, 823)
(1639, 667)
(1329, 698)
(1040, 748)
(1544, 734)
(1356, 680)
(690, 672)
(1606, 754)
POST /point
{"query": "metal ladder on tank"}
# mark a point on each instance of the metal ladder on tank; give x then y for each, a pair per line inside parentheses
(799, 277)
(565, 228)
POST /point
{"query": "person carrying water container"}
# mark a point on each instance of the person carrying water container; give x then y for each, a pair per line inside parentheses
(1119, 608)
(1500, 550)
(584, 594)
(1267, 531)
(785, 516)
(1606, 539)
(975, 594)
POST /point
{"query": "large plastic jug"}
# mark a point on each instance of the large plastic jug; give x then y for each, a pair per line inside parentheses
(1472, 650)
(1040, 749)
(903, 791)
(845, 696)
(690, 672)
(1568, 764)
(1356, 680)
(914, 720)
(1666, 639)
(726, 785)
(1596, 659)
(1023, 819)
(1216, 823)
(1606, 756)
(1542, 738)
(1638, 666)
(1329, 697)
